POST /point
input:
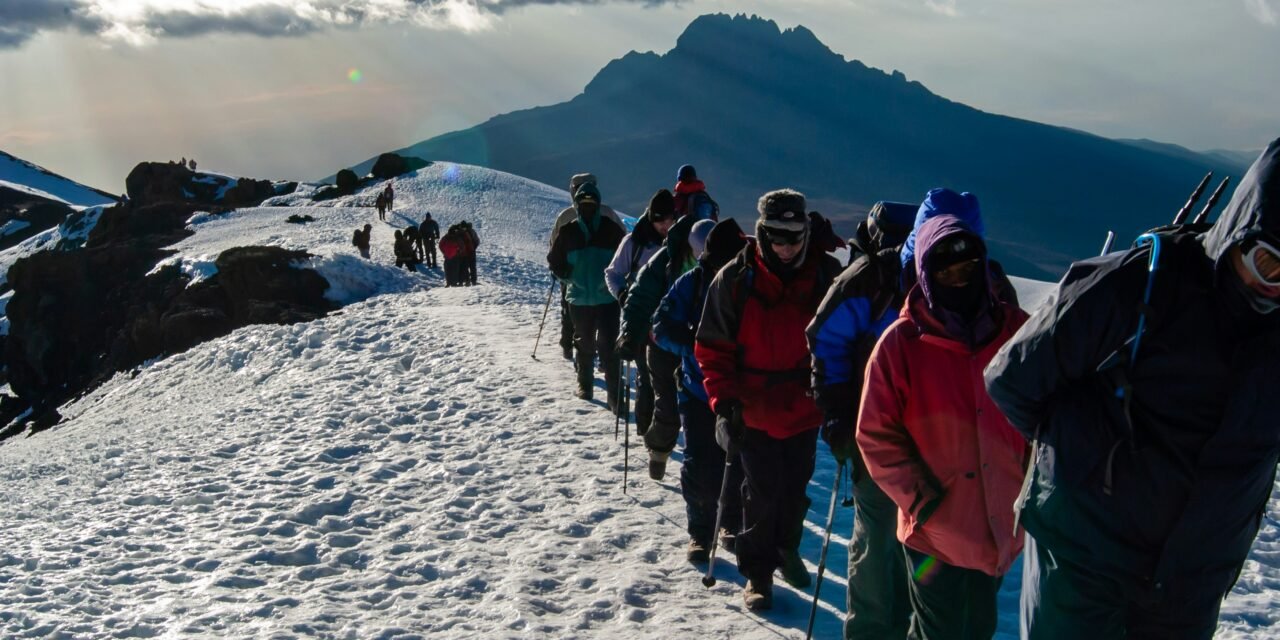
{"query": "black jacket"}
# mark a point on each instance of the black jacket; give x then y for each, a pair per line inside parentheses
(1170, 500)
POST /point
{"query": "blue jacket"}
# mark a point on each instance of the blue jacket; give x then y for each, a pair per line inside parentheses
(939, 202)
(676, 322)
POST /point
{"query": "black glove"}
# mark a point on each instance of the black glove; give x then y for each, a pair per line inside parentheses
(626, 348)
(729, 425)
(837, 432)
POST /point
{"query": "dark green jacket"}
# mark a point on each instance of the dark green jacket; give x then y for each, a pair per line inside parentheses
(655, 279)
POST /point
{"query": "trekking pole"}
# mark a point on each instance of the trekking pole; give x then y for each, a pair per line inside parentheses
(545, 308)
(822, 559)
(1213, 200)
(626, 427)
(1106, 246)
(709, 580)
(1191, 202)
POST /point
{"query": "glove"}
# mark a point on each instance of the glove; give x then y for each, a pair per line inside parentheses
(837, 432)
(626, 348)
(729, 426)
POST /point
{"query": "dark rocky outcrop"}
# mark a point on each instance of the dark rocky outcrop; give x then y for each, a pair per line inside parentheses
(347, 181)
(156, 182)
(23, 215)
(77, 317)
(390, 165)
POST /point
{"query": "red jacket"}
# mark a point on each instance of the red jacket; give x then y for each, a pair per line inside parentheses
(928, 431)
(450, 246)
(751, 340)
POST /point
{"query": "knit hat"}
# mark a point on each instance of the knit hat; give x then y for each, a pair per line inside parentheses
(783, 210)
(587, 193)
(725, 241)
(686, 172)
(580, 179)
(698, 236)
(662, 205)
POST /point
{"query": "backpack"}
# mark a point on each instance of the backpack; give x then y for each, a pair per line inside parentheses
(355, 239)
(697, 199)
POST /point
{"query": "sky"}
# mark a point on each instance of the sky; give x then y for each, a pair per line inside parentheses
(300, 88)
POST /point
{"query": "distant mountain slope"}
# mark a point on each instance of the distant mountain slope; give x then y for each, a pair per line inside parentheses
(20, 175)
(756, 108)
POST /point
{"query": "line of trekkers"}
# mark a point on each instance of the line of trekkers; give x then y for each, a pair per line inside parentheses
(1120, 433)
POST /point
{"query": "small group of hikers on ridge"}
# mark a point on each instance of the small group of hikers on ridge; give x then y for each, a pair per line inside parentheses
(459, 248)
(383, 203)
(1117, 438)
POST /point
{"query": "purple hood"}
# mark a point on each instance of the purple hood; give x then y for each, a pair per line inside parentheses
(933, 231)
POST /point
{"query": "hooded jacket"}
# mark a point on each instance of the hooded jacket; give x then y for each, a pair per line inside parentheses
(932, 438)
(1169, 499)
(965, 207)
(751, 341)
(580, 254)
(655, 278)
(635, 251)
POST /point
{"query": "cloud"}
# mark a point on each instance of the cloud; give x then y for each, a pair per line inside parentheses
(138, 22)
(947, 7)
(1263, 12)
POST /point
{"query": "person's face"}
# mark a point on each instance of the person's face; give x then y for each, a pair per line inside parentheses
(588, 208)
(1258, 268)
(786, 246)
(663, 226)
(958, 274)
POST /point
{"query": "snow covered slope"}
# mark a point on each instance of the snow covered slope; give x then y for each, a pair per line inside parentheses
(399, 469)
(23, 176)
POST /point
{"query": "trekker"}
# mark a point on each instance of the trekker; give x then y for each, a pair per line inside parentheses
(691, 196)
(563, 218)
(451, 247)
(411, 236)
(654, 280)
(361, 240)
(429, 234)
(469, 261)
(581, 251)
(862, 302)
(390, 195)
(751, 347)
(1157, 442)
(965, 206)
(635, 251)
(674, 327)
(381, 203)
(936, 443)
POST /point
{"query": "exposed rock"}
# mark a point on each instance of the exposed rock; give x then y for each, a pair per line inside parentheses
(157, 182)
(23, 215)
(390, 165)
(347, 181)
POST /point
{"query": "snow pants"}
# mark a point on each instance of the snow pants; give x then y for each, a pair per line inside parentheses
(774, 502)
(950, 603)
(644, 390)
(878, 605)
(664, 429)
(1063, 600)
(703, 471)
(566, 321)
(595, 330)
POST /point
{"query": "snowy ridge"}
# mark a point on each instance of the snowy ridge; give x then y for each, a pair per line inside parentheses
(399, 469)
(26, 177)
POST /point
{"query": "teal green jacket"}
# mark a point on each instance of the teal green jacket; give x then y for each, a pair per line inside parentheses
(579, 256)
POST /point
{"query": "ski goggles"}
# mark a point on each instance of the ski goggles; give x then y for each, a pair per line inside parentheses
(1263, 261)
(783, 236)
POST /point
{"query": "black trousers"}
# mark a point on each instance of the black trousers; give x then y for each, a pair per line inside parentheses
(703, 471)
(878, 605)
(774, 502)
(429, 252)
(664, 429)
(950, 603)
(469, 269)
(595, 330)
(566, 320)
(644, 390)
(453, 271)
(1061, 600)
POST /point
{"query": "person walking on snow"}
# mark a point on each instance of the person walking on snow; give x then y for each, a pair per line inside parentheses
(451, 247)
(751, 348)
(1157, 437)
(581, 251)
(862, 302)
(361, 240)
(429, 234)
(563, 218)
(381, 203)
(674, 327)
(937, 444)
(473, 243)
(654, 280)
(390, 195)
(635, 251)
(691, 196)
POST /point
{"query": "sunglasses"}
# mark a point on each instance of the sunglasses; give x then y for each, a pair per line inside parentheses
(1263, 262)
(779, 237)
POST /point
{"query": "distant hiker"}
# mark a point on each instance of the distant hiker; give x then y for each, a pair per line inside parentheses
(361, 240)
(411, 236)
(473, 244)
(691, 196)
(654, 280)
(565, 217)
(862, 302)
(1155, 422)
(390, 196)
(674, 327)
(381, 203)
(751, 348)
(404, 252)
(578, 257)
(183, 162)
(193, 164)
(451, 246)
(635, 251)
(429, 235)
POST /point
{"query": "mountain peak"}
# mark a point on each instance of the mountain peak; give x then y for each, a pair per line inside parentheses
(721, 33)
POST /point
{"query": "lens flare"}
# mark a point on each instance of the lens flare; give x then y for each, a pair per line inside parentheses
(355, 76)
(925, 572)
(452, 173)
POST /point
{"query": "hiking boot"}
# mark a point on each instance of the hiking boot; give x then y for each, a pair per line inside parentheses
(758, 595)
(658, 464)
(584, 393)
(568, 353)
(728, 540)
(699, 551)
(793, 569)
